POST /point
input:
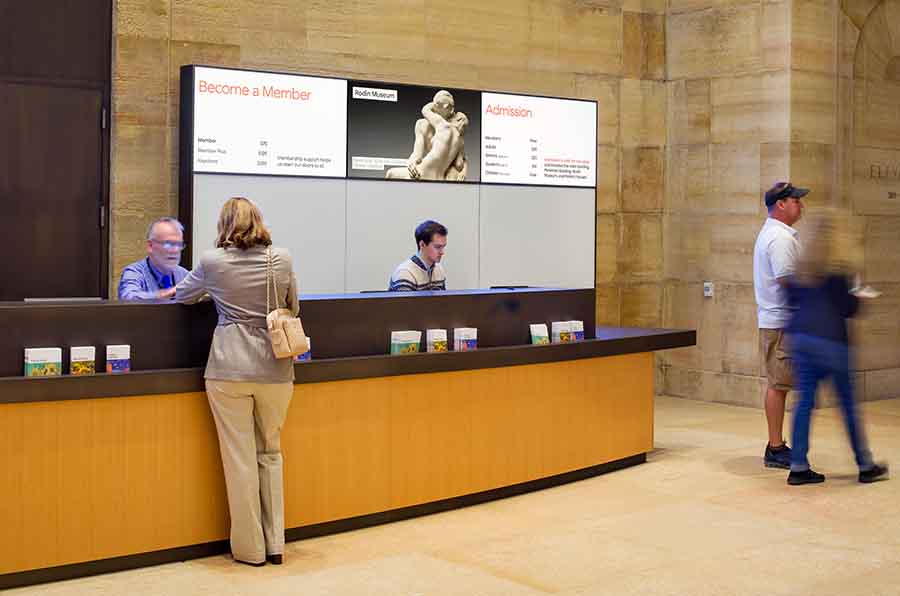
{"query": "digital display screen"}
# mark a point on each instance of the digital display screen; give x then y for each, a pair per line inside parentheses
(263, 123)
(538, 140)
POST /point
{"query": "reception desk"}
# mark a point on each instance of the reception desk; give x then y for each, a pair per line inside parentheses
(117, 471)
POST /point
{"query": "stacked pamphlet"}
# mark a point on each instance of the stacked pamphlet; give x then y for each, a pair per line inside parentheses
(436, 340)
(405, 342)
(564, 332)
(43, 362)
(577, 330)
(539, 334)
(307, 355)
(83, 360)
(118, 358)
(561, 332)
(465, 338)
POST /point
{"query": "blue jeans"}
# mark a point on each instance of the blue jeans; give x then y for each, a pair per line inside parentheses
(815, 359)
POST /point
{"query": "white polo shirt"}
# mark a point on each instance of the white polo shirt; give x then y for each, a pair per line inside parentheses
(774, 257)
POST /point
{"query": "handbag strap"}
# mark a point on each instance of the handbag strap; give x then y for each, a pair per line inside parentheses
(270, 275)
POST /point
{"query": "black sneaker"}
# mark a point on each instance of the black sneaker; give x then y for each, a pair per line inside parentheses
(778, 458)
(874, 474)
(805, 477)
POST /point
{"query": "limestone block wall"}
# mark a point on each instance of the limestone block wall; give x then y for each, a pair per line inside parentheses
(761, 91)
(728, 139)
(609, 50)
(867, 107)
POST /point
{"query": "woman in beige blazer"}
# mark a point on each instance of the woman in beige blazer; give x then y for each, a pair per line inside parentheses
(249, 390)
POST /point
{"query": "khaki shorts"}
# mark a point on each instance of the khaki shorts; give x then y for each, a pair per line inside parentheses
(777, 360)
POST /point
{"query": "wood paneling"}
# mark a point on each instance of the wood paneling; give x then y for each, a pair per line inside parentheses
(91, 479)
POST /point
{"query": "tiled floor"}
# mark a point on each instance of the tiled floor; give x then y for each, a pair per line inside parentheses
(701, 517)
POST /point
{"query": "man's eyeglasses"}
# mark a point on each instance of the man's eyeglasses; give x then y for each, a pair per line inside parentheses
(169, 245)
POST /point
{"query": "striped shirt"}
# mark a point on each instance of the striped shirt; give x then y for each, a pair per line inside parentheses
(413, 276)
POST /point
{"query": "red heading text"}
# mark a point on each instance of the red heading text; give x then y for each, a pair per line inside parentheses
(290, 93)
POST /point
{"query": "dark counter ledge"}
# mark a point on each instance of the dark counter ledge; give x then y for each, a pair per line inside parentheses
(174, 336)
(611, 341)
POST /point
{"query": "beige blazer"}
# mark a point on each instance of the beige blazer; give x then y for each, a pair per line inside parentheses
(235, 279)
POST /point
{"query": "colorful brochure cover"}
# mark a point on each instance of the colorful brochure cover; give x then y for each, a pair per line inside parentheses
(307, 355)
(118, 359)
(561, 332)
(83, 360)
(43, 362)
(405, 342)
(577, 329)
(465, 339)
(539, 333)
(436, 340)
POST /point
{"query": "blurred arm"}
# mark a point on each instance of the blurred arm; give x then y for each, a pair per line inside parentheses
(193, 287)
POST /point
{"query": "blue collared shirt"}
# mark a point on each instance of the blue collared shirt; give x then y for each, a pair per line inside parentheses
(141, 281)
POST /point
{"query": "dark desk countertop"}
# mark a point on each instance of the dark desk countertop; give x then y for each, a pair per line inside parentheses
(166, 336)
(610, 341)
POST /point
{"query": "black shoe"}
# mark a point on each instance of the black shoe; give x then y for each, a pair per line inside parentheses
(275, 559)
(805, 477)
(874, 474)
(260, 564)
(778, 458)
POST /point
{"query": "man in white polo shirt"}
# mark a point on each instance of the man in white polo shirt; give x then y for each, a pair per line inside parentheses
(774, 257)
(423, 271)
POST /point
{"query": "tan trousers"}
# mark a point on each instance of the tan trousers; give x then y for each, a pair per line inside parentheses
(249, 417)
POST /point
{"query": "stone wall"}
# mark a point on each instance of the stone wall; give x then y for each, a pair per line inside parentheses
(867, 152)
(609, 50)
(762, 91)
(728, 140)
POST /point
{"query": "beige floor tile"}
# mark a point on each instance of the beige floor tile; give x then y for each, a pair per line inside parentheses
(565, 558)
(407, 575)
(817, 561)
(697, 579)
(700, 530)
(886, 406)
(884, 581)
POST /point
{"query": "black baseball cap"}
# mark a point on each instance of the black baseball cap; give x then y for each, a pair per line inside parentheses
(784, 190)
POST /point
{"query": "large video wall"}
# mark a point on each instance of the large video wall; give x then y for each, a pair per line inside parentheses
(343, 170)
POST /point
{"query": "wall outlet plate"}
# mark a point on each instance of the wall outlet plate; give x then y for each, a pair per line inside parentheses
(709, 289)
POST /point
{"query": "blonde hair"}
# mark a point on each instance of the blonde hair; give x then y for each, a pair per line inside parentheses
(825, 249)
(241, 225)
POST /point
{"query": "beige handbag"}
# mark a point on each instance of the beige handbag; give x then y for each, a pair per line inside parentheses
(285, 330)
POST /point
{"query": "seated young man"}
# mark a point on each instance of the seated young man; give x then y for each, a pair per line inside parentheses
(423, 270)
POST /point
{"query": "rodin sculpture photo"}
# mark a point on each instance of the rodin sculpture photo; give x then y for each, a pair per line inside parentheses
(439, 148)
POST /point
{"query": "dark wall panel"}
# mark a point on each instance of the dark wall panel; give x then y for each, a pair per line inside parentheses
(51, 191)
(56, 40)
(54, 149)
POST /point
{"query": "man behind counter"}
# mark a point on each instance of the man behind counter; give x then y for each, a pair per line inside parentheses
(155, 276)
(423, 270)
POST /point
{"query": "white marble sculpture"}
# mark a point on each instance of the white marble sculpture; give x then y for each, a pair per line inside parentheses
(439, 149)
